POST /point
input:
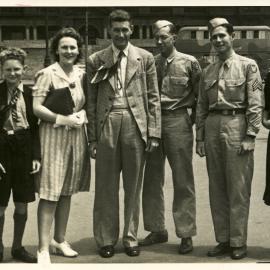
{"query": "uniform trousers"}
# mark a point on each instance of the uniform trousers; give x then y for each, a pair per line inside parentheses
(120, 148)
(176, 145)
(230, 176)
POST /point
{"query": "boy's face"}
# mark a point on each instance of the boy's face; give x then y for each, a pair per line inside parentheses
(12, 71)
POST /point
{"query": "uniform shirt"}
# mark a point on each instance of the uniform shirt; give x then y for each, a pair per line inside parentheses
(235, 83)
(178, 77)
(21, 112)
(120, 97)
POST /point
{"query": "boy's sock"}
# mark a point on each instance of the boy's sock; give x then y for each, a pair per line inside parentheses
(19, 225)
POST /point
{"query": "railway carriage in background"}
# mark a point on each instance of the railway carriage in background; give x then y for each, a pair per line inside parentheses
(250, 41)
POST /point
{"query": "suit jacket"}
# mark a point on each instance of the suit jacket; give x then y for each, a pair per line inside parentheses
(31, 118)
(140, 86)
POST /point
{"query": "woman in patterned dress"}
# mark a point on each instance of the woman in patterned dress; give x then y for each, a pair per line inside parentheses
(65, 167)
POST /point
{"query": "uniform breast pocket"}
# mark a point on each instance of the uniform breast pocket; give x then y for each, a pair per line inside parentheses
(177, 87)
(211, 90)
(235, 89)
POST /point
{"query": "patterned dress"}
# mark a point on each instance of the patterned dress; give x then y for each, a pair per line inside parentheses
(65, 161)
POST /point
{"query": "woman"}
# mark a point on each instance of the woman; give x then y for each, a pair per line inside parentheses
(266, 124)
(65, 167)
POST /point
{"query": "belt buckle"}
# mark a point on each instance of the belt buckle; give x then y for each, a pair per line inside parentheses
(10, 132)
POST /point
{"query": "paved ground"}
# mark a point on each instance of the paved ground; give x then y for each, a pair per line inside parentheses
(80, 232)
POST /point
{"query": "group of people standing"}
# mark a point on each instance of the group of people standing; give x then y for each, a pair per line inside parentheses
(136, 111)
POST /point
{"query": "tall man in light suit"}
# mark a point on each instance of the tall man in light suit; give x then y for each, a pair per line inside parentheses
(124, 123)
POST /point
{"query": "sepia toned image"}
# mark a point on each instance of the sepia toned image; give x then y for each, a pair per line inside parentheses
(134, 134)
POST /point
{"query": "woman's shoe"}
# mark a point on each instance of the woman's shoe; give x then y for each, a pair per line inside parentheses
(43, 257)
(63, 248)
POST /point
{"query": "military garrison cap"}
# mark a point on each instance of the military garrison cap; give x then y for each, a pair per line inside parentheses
(160, 24)
(215, 23)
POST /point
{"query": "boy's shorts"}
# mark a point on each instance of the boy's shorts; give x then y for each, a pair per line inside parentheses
(16, 158)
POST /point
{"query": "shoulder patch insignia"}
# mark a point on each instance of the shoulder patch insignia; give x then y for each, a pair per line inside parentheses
(252, 68)
(256, 85)
(195, 66)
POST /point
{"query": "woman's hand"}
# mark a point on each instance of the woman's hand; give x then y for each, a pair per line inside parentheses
(266, 120)
(72, 120)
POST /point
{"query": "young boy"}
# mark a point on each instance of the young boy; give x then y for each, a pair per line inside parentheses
(19, 148)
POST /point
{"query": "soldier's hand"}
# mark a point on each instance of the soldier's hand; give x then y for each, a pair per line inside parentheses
(200, 148)
(93, 149)
(152, 144)
(266, 123)
(2, 170)
(247, 145)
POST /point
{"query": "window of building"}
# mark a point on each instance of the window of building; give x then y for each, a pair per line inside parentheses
(41, 31)
(193, 34)
(243, 34)
(136, 32)
(144, 31)
(13, 33)
(206, 35)
(256, 34)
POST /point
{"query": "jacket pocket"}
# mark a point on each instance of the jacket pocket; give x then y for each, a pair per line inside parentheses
(235, 89)
(177, 87)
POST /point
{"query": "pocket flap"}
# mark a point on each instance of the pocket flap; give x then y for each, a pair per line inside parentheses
(233, 83)
(179, 81)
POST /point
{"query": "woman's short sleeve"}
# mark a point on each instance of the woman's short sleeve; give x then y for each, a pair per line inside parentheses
(267, 92)
(43, 83)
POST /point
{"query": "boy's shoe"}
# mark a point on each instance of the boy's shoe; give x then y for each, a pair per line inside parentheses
(22, 255)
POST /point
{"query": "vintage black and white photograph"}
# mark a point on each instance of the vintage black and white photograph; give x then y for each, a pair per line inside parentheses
(134, 134)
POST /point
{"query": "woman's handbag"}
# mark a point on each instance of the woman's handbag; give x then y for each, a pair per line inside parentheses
(60, 101)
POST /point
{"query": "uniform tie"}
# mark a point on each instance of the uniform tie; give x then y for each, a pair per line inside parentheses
(164, 72)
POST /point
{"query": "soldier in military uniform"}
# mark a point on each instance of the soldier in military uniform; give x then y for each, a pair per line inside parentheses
(178, 77)
(228, 118)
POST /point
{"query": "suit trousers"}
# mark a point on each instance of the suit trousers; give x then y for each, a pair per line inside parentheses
(120, 148)
(176, 145)
(230, 176)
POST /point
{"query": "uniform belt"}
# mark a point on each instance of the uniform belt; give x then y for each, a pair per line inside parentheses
(174, 112)
(229, 112)
(13, 132)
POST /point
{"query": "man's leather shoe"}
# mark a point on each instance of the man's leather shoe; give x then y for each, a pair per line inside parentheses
(220, 249)
(132, 251)
(154, 238)
(239, 252)
(186, 245)
(106, 251)
(22, 255)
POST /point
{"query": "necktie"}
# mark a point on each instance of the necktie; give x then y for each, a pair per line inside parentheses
(163, 72)
(221, 81)
(119, 72)
(13, 102)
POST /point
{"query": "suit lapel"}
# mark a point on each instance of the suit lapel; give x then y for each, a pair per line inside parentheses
(132, 64)
(107, 60)
(3, 94)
